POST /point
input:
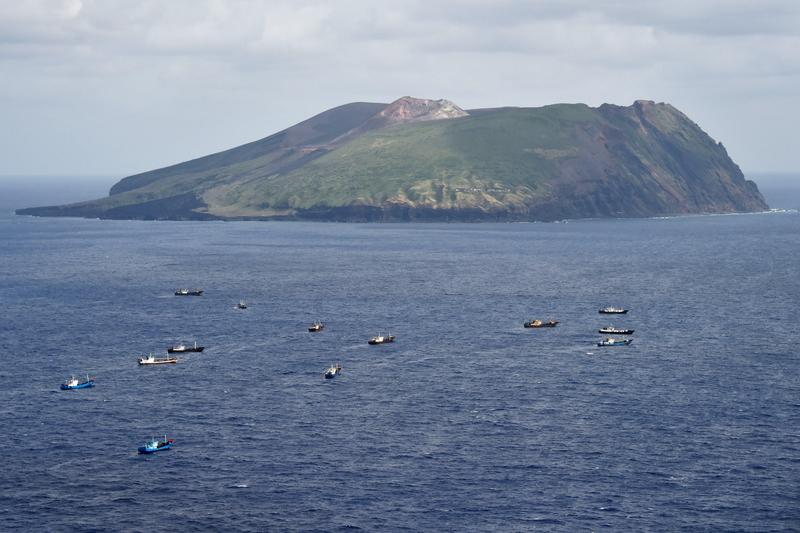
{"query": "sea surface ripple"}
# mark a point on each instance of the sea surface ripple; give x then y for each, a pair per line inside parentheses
(467, 422)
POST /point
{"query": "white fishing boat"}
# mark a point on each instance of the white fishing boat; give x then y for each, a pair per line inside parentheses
(381, 339)
(333, 371)
(152, 360)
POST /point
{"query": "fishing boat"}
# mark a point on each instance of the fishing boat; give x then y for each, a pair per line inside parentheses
(316, 326)
(539, 324)
(241, 305)
(610, 330)
(154, 445)
(182, 348)
(333, 371)
(381, 339)
(614, 342)
(74, 383)
(189, 292)
(613, 311)
(152, 360)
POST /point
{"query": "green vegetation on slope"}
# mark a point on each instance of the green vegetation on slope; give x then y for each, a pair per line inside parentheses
(498, 153)
(558, 161)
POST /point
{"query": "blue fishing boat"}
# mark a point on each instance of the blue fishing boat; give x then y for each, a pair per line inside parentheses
(615, 342)
(154, 445)
(74, 383)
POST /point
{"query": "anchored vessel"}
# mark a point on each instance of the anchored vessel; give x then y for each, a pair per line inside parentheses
(155, 445)
(316, 326)
(333, 370)
(182, 348)
(614, 331)
(380, 339)
(150, 360)
(189, 292)
(614, 342)
(612, 311)
(74, 383)
(539, 324)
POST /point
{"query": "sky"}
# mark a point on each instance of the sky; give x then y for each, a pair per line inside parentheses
(116, 87)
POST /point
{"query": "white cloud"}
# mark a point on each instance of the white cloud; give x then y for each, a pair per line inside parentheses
(148, 71)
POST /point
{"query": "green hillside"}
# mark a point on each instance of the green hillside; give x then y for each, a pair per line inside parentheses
(558, 161)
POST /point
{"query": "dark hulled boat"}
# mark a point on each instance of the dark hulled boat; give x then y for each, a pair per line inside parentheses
(613, 311)
(614, 331)
(316, 326)
(189, 292)
(539, 324)
(182, 348)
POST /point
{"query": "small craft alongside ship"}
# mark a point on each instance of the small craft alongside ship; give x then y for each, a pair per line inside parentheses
(316, 326)
(613, 311)
(155, 445)
(152, 360)
(74, 383)
(189, 292)
(539, 324)
(380, 339)
(333, 371)
(614, 331)
(614, 342)
(182, 348)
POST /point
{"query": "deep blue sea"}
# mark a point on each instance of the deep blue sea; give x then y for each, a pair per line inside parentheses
(467, 422)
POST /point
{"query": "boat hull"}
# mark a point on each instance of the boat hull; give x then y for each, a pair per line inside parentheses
(542, 325)
(620, 343)
(616, 331)
(87, 385)
(609, 312)
(385, 341)
(185, 350)
(167, 362)
(190, 293)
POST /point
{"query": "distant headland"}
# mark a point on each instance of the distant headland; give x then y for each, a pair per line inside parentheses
(430, 160)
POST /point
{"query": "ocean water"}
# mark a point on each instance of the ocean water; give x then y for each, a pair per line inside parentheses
(467, 422)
